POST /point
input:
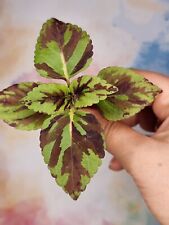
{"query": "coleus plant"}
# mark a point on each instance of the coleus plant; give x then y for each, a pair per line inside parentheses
(71, 139)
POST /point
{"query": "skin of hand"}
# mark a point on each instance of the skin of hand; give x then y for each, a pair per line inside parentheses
(145, 158)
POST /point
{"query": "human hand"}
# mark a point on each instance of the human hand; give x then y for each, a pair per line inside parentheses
(146, 158)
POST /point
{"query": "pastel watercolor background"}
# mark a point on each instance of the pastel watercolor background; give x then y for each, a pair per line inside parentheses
(131, 33)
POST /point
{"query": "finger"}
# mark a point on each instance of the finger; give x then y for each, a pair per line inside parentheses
(121, 141)
(131, 121)
(161, 103)
(115, 165)
(162, 132)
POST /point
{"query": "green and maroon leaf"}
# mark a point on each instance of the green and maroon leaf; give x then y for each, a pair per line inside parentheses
(72, 147)
(134, 93)
(89, 90)
(14, 112)
(50, 98)
(62, 50)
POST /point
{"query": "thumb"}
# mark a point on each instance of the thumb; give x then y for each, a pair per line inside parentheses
(121, 141)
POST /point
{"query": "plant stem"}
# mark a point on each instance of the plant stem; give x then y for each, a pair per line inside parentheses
(68, 82)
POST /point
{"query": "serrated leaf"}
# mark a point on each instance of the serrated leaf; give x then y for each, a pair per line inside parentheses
(14, 112)
(47, 98)
(89, 90)
(62, 50)
(72, 147)
(134, 93)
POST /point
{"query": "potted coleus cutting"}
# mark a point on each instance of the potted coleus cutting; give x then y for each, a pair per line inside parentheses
(71, 138)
